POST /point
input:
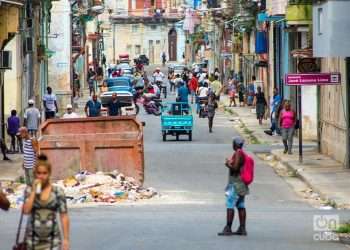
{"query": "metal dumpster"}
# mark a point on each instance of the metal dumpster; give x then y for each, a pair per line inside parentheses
(94, 144)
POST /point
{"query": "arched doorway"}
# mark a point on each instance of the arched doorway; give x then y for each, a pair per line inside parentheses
(172, 40)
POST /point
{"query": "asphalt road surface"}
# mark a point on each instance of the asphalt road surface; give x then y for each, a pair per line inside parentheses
(191, 178)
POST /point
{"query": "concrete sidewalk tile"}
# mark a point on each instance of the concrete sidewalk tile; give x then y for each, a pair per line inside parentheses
(324, 175)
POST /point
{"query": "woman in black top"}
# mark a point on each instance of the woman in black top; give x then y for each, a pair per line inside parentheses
(261, 104)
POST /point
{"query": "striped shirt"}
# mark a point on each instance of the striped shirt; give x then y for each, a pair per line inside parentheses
(29, 157)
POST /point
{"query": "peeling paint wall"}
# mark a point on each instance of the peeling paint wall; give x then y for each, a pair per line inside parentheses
(60, 62)
(332, 112)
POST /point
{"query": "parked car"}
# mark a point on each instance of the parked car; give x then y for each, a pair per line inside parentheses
(143, 59)
(125, 92)
(203, 67)
(126, 68)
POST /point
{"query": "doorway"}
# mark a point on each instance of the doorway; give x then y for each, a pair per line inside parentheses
(172, 40)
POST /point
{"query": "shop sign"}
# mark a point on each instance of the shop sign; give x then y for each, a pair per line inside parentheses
(313, 79)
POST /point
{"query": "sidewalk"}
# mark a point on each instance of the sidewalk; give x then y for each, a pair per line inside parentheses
(11, 170)
(324, 175)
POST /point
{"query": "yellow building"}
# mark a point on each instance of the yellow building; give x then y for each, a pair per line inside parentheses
(10, 43)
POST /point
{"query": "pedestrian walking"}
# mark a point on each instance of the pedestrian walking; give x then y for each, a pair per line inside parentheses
(260, 103)
(93, 107)
(211, 106)
(42, 203)
(177, 82)
(216, 87)
(275, 107)
(69, 113)
(13, 124)
(182, 93)
(241, 91)
(50, 104)
(237, 189)
(287, 121)
(32, 119)
(4, 150)
(114, 106)
(30, 151)
(91, 84)
(232, 93)
(91, 73)
(163, 58)
(251, 91)
(217, 72)
(193, 86)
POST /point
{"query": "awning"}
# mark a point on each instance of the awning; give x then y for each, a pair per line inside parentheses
(14, 2)
(264, 17)
(302, 53)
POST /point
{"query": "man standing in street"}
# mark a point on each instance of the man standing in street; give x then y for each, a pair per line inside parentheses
(32, 119)
(50, 104)
(13, 124)
(30, 152)
(114, 106)
(70, 113)
(93, 107)
(236, 190)
(182, 93)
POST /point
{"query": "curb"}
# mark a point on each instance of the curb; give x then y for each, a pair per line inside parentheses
(302, 177)
(246, 136)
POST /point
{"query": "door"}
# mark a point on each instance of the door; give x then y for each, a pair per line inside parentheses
(151, 51)
(172, 40)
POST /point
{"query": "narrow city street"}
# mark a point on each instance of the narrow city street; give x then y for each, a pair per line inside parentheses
(191, 178)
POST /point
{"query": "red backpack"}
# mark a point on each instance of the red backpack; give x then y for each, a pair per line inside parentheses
(247, 171)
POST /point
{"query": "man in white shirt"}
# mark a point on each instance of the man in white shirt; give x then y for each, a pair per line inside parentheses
(32, 119)
(203, 91)
(158, 76)
(70, 113)
(50, 104)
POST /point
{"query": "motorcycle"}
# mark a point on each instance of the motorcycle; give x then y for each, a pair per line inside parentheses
(162, 87)
(150, 103)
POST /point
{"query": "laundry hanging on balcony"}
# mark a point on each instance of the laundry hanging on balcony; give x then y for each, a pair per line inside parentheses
(261, 42)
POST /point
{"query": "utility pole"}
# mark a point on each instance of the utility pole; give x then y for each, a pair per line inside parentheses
(113, 42)
(29, 42)
(347, 112)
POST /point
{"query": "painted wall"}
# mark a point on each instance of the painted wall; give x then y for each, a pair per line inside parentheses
(309, 110)
(332, 114)
(60, 62)
(330, 20)
(129, 36)
(12, 79)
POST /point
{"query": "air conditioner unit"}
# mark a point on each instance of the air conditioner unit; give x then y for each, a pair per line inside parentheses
(5, 59)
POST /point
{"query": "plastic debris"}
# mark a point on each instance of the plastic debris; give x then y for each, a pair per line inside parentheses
(84, 187)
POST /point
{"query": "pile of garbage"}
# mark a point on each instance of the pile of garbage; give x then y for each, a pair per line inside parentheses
(86, 187)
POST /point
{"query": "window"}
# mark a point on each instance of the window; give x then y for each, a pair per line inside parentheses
(158, 42)
(137, 49)
(153, 27)
(135, 28)
(128, 48)
(319, 21)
